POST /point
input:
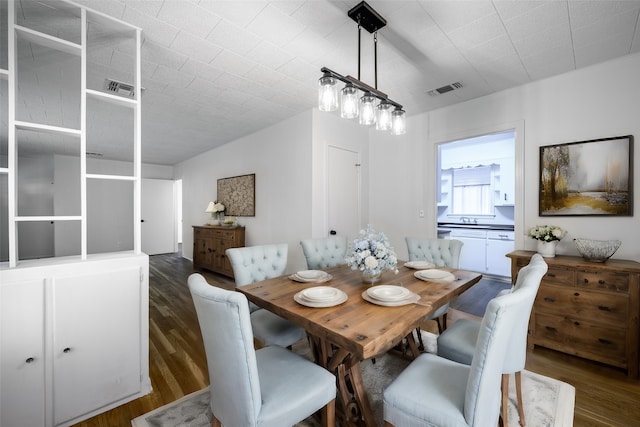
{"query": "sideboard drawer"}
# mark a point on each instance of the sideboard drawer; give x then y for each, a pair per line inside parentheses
(603, 280)
(559, 276)
(583, 337)
(595, 306)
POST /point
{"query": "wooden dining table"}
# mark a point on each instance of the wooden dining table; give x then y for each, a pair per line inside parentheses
(344, 335)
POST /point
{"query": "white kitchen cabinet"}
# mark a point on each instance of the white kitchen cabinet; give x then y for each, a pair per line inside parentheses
(84, 325)
(22, 361)
(505, 183)
(474, 249)
(499, 244)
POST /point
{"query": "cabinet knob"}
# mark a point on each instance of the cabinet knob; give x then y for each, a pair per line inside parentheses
(605, 341)
(604, 308)
(551, 329)
(549, 299)
(66, 350)
(30, 360)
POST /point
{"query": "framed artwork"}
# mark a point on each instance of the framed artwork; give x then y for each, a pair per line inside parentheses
(238, 195)
(587, 178)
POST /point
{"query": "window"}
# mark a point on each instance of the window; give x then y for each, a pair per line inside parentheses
(472, 191)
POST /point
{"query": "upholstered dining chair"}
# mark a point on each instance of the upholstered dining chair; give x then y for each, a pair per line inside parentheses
(459, 341)
(255, 263)
(268, 387)
(324, 252)
(441, 253)
(435, 391)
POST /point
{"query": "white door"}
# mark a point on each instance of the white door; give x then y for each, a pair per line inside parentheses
(158, 217)
(343, 191)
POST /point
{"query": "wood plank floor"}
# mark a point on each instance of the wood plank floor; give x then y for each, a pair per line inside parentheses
(604, 395)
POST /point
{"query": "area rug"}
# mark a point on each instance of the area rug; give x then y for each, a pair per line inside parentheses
(547, 402)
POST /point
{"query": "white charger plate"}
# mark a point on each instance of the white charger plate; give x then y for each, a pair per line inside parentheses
(388, 292)
(311, 274)
(435, 275)
(325, 278)
(412, 298)
(419, 265)
(300, 299)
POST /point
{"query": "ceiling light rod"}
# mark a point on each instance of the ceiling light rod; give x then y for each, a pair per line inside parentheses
(360, 85)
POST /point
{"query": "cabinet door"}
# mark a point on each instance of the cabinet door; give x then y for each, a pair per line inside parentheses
(96, 345)
(22, 354)
(497, 263)
(473, 254)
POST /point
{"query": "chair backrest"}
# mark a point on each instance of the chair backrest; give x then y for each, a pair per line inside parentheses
(324, 252)
(228, 341)
(502, 316)
(529, 276)
(255, 263)
(441, 252)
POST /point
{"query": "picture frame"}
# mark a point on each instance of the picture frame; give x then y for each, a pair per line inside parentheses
(238, 195)
(587, 178)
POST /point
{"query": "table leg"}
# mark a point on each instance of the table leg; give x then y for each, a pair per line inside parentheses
(352, 398)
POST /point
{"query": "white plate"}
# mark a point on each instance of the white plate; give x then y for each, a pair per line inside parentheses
(311, 274)
(388, 292)
(410, 299)
(434, 275)
(320, 293)
(325, 278)
(342, 297)
(419, 265)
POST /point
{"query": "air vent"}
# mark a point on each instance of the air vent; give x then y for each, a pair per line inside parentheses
(445, 89)
(119, 88)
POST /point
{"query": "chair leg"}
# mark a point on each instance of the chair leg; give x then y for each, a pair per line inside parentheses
(505, 400)
(215, 422)
(420, 343)
(437, 319)
(444, 321)
(519, 395)
(329, 414)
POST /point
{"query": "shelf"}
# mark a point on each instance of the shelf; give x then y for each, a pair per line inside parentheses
(48, 41)
(113, 99)
(47, 218)
(113, 177)
(56, 130)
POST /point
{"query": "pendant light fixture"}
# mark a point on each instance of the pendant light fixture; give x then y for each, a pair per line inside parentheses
(357, 98)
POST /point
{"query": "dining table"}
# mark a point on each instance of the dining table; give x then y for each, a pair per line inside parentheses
(357, 327)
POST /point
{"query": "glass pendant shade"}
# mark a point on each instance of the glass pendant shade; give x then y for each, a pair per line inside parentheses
(327, 94)
(367, 109)
(349, 102)
(383, 113)
(399, 122)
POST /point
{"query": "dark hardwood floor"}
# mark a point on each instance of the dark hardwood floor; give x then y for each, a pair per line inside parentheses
(177, 364)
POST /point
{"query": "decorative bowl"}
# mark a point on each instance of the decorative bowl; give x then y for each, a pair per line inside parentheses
(597, 250)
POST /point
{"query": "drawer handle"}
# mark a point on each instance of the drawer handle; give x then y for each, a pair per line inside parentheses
(66, 350)
(601, 282)
(549, 299)
(30, 360)
(576, 323)
(604, 308)
(605, 341)
(551, 275)
(551, 329)
(576, 294)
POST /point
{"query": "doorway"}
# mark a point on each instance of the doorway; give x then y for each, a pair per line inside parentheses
(343, 190)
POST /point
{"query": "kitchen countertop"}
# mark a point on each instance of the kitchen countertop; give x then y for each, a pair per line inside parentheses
(445, 226)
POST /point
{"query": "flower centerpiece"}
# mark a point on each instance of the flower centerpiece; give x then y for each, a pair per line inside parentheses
(547, 236)
(372, 254)
(216, 210)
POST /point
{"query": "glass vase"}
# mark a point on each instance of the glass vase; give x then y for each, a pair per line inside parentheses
(370, 278)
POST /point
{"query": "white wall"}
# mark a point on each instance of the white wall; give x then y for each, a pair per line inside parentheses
(596, 102)
(280, 156)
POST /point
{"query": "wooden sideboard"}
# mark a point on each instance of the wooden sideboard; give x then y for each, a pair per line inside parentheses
(588, 309)
(210, 243)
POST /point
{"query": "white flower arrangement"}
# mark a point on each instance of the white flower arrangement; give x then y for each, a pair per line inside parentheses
(372, 253)
(547, 233)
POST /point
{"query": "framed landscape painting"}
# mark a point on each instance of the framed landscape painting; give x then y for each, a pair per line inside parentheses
(587, 178)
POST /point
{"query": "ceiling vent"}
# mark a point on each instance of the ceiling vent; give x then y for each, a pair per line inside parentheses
(445, 89)
(119, 88)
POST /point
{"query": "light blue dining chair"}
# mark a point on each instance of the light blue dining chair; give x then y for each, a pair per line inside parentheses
(324, 252)
(255, 263)
(459, 341)
(435, 391)
(441, 253)
(270, 387)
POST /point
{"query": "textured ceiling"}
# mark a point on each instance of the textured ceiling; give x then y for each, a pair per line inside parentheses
(213, 71)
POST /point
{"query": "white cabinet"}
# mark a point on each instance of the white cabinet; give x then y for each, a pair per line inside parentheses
(22, 361)
(505, 183)
(499, 244)
(473, 253)
(74, 339)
